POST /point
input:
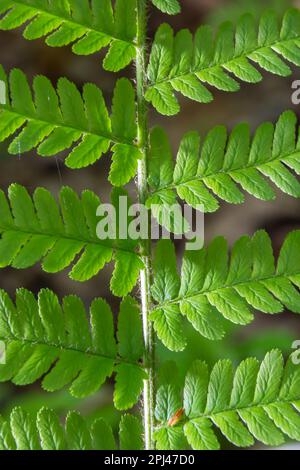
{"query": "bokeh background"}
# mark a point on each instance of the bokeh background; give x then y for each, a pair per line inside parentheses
(254, 104)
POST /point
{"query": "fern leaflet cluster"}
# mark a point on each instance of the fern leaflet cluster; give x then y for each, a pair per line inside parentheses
(55, 341)
(214, 287)
(187, 65)
(259, 401)
(24, 431)
(89, 26)
(60, 120)
(61, 344)
(37, 229)
(222, 164)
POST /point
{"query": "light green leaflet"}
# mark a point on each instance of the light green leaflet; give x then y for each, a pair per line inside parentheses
(172, 7)
(56, 342)
(215, 288)
(258, 401)
(25, 431)
(89, 26)
(223, 165)
(187, 65)
(63, 119)
(40, 230)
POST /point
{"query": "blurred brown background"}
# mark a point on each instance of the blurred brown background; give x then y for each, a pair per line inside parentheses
(254, 103)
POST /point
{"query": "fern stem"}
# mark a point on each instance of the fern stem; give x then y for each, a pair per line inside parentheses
(142, 186)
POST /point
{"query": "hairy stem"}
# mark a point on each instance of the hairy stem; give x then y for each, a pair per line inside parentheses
(145, 275)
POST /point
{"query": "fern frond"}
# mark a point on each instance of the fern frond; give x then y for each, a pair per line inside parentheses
(89, 26)
(39, 230)
(259, 401)
(27, 431)
(56, 341)
(172, 7)
(63, 119)
(214, 287)
(187, 65)
(223, 163)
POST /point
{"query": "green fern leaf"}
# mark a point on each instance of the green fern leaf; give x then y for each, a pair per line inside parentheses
(61, 120)
(168, 402)
(103, 436)
(216, 289)
(170, 438)
(130, 433)
(167, 322)
(39, 230)
(172, 7)
(203, 175)
(25, 431)
(257, 402)
(89, 26)
(51, 433)
(187, 65)
(44, 338)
